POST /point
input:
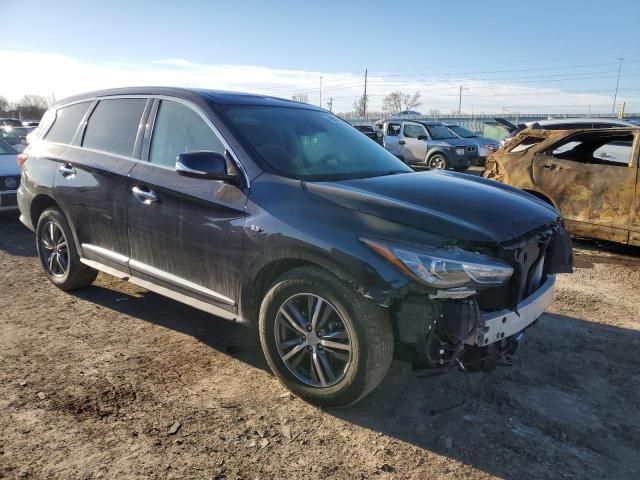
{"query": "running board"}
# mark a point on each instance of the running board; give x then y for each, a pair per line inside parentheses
(180, 297)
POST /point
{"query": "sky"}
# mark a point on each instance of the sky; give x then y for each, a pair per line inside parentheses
(537, 56)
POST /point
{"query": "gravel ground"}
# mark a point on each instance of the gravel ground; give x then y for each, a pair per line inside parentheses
(116, 382)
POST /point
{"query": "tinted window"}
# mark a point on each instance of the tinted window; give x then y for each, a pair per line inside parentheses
(113, 125)
(310, 144)
(179, 129)
(414, 131)
(66, 122)
(439, 132)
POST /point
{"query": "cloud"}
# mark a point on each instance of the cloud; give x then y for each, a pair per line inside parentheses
(52, 74)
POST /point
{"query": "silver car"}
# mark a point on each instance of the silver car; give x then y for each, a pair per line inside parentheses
(9, 177)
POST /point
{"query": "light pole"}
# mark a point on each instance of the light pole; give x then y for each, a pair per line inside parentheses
(615, 95)
(320, 92)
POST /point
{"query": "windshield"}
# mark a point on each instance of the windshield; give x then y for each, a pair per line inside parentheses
(6, 149)
(462, 132)
(310, 144)
(439, 132)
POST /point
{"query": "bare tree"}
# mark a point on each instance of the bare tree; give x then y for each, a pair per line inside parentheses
(360, 105)
(397, 101)
(300, 97)
(33, 106)
(4, 105)
(392, 103)
(411, 101)
(434, 112)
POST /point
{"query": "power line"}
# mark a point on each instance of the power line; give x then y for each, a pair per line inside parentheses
(615, 95)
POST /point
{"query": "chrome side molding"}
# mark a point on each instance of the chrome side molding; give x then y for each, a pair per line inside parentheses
(187, 300)
(148, 270)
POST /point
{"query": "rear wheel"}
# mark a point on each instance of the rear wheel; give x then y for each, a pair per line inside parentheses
(324, 341)
(438, 161)
(58, 253)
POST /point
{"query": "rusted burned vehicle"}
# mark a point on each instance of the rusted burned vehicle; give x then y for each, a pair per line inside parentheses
(590, 176)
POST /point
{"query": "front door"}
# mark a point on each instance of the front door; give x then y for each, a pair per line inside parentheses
(414, 149)
(591, 177)
(185, 233)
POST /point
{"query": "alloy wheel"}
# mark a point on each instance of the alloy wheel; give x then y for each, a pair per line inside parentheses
(54, 249)
(313, 340)
(437, 162)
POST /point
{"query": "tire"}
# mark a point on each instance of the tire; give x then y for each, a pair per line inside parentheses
(363, 325)
(58, 252)
(438, 161)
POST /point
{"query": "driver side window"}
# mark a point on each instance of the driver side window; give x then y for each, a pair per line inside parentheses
(414, 131)
(179, 129)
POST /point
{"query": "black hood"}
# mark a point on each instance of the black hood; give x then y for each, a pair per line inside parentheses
(451, 204)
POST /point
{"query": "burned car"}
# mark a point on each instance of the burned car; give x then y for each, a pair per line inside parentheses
(589, 175)
(281, 216)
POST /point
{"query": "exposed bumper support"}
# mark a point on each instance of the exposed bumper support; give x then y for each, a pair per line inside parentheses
(494, 326)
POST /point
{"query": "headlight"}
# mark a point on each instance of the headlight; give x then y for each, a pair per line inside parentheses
(443, 268)
(460, 151)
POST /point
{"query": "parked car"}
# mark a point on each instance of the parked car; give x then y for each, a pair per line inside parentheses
(590, 176)
(30, 123)
(485, 145)
(370, 132)
(408, 113)
(279, 214)
(428, 144)
(563, 124)
(10, 122)
(9, 177)
(16, 136)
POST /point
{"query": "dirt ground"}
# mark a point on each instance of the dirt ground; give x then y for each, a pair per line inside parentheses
(116, 382)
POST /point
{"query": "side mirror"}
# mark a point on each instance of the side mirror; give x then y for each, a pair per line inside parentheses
(422, 137)
(203, 164)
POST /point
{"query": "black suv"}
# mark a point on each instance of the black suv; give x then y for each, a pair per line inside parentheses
(279, 214)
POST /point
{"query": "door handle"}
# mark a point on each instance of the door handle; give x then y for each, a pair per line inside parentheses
(402, 142)
(67, 170)
(145, 195)
(552, 167)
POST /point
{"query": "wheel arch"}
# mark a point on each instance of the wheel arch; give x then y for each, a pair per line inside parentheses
(257, 284)
(39, 204)
(542, 197)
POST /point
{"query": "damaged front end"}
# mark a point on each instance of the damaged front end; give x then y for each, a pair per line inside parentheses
(478, 323)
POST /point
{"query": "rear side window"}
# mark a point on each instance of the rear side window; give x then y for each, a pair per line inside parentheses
(113, 125)
(393, 129)
(66, 122)
(179, 129)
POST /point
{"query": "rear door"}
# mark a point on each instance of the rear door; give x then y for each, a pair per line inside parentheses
(91, 180)
(634, 224)
(414, 149)
(185, 233)
(391, 138)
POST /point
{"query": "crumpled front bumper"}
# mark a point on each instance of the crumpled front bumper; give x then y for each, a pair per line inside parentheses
(495, 326)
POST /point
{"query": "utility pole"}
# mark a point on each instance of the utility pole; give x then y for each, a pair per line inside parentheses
(615, 95)
(460, 101)
(320, 104)
(364, 101)
(330, 104)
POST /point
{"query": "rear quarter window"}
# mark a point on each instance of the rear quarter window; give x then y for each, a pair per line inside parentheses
(113, 125)
(66, 122)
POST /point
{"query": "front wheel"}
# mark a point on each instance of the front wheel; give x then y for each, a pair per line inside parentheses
(324, 341)
(437, 161)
